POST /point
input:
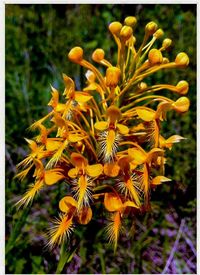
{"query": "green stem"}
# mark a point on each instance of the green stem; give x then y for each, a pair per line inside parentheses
(16, 230)
(62, 259)
(65, 256)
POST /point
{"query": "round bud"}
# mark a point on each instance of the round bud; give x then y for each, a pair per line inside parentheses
(126, 32)
(142, 86)
(182, 60)
(182, 104)
(165, 60)
(98, 55)
(166, 43)
(183, 87)
(159, 33)
(115, 27)
(155, 57)
(76, 54)
(130, 21)
(151, 27)
(112, 76)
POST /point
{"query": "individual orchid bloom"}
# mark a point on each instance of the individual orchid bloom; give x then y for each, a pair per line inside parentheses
(113, 203)
(64, 225)
(111, 132)
(130, 184)
(140, 157)
(149, 116)
(94, 86)
(42, 177)
(83, 175)
(66, 137)
(37, 152)
(74, 98)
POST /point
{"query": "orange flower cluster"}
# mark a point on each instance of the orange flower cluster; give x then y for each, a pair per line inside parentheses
(104, 143)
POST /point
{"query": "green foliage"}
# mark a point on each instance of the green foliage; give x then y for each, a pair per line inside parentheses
(38, 38)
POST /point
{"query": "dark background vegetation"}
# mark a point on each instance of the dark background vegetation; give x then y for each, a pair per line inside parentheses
(38, 38)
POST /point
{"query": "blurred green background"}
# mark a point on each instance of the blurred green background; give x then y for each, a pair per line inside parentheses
(38, 38)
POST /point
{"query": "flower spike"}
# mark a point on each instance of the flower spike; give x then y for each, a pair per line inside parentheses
(105, 142)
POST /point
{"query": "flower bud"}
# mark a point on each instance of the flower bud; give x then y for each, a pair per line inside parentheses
(130, 21)
(112, 76)
(159, 33)
(76, 54)
(166, 43)
(165, 60)
(126, 32)
(155, 57)
(182, 104)
(151, 27)
(182, 59)
(142, 86)
(183, 87)
(115, 27)
(98, 55)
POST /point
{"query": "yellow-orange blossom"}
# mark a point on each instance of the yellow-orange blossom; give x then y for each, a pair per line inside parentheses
(105, 143)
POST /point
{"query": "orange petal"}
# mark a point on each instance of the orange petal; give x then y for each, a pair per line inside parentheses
(146, 115)
(82, 194)
(154, 153)
(122, 129)
(174, 139)
(53, 176)
(111, 169)
(32, 144)
(60, 107)
(67, 204)
(78, 160)
(101, 125)
(159, 180)
(75, 138)
(94, 170)
(137, 155)
(82, 97)
(73, 173)
(110, 143)
(112, 202)
(84, 215)
(69, 86)
(52, 145)
(130, 204)
(91, 87)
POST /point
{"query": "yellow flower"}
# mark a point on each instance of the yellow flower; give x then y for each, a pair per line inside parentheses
(116, 119)
(113, 203)
(84, 174)
(110, 133)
